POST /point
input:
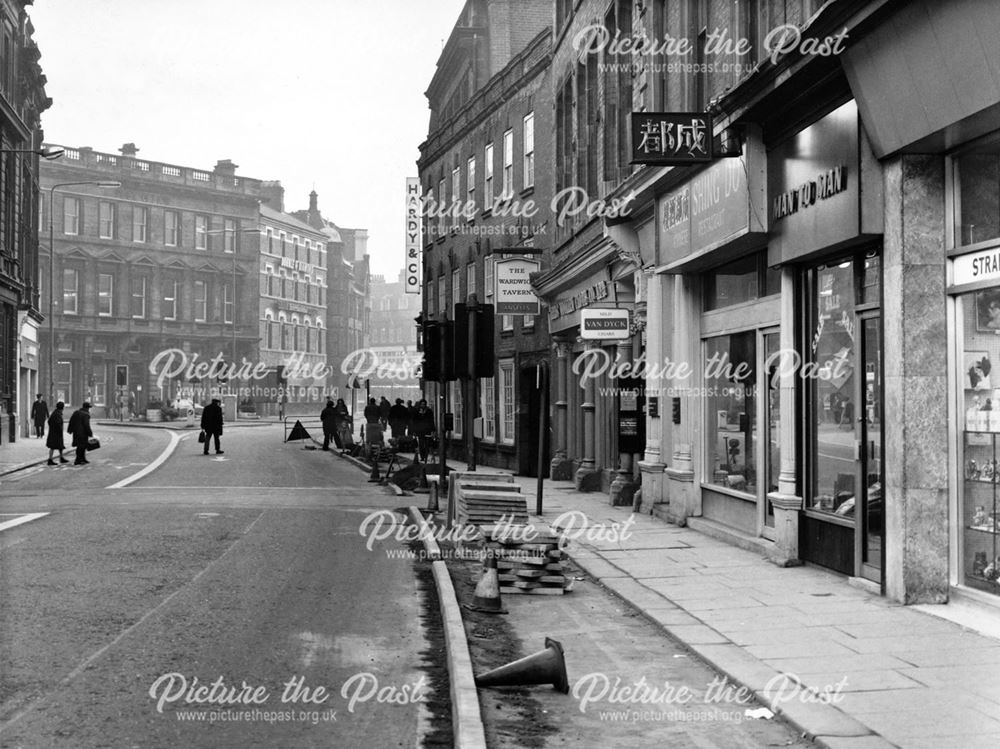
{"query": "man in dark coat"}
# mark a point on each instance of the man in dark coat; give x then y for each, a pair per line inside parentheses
(55, 440)
(211, 424)
(329, 418)
(423, 427)
(371, 412)
(384, 407)
(39, 415)
(79, 427)
(399, 416)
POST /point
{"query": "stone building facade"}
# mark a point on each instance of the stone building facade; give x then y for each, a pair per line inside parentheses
(165, 262)
(488, 192)
(22, 101)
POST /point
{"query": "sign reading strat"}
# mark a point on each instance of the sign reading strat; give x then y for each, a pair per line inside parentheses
(671, 137)
(976, 267)
(414, 235)
(602, 324)
(513, 294)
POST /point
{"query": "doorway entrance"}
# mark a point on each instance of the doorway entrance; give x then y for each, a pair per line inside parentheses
(842, 524)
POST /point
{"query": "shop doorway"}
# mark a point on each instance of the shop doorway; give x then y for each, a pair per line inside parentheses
(842, 526)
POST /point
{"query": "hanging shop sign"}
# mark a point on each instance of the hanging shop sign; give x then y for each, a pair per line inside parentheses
(513, 293)
(671, 138)
(604, 324)
(414, 234)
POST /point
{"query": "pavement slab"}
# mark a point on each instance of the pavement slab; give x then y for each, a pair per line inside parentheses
(908, 678)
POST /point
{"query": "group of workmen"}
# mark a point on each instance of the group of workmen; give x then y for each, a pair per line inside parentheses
(403, 419)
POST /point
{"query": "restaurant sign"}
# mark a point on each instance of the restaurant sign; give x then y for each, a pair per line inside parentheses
(671, 138)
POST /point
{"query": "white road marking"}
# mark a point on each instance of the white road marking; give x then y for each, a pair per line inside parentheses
(160, 460)
(22, 520)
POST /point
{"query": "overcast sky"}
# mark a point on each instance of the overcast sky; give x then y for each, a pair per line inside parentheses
(320, 94)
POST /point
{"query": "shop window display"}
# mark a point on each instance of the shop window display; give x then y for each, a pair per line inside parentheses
(979, 326)
(732, 408)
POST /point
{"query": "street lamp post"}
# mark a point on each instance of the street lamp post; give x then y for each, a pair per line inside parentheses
(52, 267)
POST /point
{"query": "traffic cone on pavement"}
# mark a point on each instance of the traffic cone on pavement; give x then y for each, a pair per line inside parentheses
(487, 596)
(374, 476)
(544, 667)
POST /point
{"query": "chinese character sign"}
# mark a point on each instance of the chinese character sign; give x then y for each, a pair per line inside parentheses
(671, 137)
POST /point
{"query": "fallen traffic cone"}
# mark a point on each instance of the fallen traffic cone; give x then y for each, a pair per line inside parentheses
(544, 667)
(487, 595)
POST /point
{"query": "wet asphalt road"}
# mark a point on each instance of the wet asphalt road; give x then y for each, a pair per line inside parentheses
(245, 572)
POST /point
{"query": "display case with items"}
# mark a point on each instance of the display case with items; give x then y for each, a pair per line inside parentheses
(981, 521)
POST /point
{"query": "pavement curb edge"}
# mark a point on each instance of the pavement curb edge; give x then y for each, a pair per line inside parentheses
(823, 724)
(467, 720)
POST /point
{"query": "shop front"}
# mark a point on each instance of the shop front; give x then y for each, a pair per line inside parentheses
(826, 212)
(974, 306)
(718, 315)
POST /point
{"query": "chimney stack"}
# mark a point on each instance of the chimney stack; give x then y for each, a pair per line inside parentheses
(272, 194)
(129, 149)
(225, 168)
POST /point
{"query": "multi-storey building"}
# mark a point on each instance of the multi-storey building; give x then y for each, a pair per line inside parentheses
(22, 100)
(814, 307)
(293, 299)
(150, 279)
(348, 291)
(392, 359)
(487, 196)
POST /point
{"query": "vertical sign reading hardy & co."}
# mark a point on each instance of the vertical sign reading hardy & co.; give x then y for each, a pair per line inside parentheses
(414, 234)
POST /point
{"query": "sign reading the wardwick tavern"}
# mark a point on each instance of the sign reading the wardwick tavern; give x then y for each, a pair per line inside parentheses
(671, 137)
(514, 295)
(413, 236)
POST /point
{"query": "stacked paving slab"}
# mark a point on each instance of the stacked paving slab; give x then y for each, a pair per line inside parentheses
(529, 557)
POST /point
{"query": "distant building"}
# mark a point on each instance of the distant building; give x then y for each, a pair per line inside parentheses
(349, 294)
(22, 94)
(293, 298)
(167, 262)
(393, 340)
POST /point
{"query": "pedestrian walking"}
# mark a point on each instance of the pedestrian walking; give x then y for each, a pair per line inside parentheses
(39, 415)
(79, 427)
(55, 440)
(423, 428)
(211, 424)
(328, 416)
(399, 418)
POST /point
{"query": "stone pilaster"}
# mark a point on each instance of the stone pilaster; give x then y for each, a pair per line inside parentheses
(651, 466)
(587, 478)
(685, 491)
(787, 504)
(561, 467)
(622, 488)
(915, 375)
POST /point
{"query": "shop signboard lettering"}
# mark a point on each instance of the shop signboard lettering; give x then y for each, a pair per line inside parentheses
(976, 267)
(513, 294)
(816, 187)
(708, 210)
(412, 262)
(604, 324)
(671, 138)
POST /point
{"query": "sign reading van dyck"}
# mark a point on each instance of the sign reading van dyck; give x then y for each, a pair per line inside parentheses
(604, 324)
(671, 137)
(513, 294)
